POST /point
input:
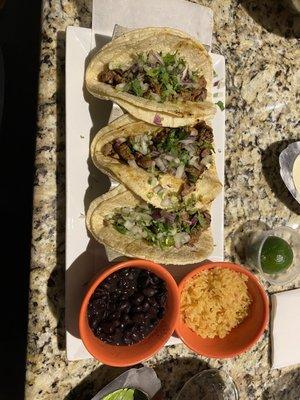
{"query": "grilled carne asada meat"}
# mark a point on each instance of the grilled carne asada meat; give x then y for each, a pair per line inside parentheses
(183, 152)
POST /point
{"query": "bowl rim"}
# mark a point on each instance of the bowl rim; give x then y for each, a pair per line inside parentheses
(261, 290)
(135, 263)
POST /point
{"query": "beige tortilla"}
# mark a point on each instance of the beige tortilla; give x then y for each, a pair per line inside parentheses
(137, 179)
(120, 52)
(127, 245)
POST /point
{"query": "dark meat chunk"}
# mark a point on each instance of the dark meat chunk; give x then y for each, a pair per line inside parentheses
(123, 150)
(186, 95)
(194, 237)
(192, 174)
(134, 68)
(143, 161)
(184, 216)
(107, 149)
(199, 94)
(201, 169)
(197, 232)
(155, 87)
(202, 82)
(205, 132)
(110, 77)
(205, 152)
(159, 137)
(207, 217)
(186, 189)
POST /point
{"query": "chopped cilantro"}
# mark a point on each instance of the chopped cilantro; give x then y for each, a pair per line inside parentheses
(184, 157)
(201, 219)
(153, 72)
(169, 58)
(120, 228)
(220, 104)
(136, 87)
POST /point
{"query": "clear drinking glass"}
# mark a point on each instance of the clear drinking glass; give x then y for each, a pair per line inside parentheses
(254, 248)
(210, 384)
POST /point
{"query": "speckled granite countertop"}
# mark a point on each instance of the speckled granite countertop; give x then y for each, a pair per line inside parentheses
(262, 118)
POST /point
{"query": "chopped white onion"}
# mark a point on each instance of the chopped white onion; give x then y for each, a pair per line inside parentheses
(207, 161)
(180, 239)
(155, 96)
(153, 181)
(179, 171)
(169, 158)
(144, 86)
(197, 165)
(185, 71)
(191, 149)
(128, 225)
(166, 202)
(120, 86)
(188, 141)
(193, 160)
(160, 164)
(157, 189)
(157, 56)
(132, 163)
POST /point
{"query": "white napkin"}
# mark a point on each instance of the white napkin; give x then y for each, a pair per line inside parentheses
(285, 329)
(189, 17)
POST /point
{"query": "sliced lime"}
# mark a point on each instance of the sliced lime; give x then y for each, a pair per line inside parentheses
(276, 255)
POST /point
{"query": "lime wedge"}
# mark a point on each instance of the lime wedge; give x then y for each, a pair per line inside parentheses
(276, 255)
(126, 394)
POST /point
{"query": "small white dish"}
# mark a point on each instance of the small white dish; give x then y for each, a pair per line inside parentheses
(286, 161)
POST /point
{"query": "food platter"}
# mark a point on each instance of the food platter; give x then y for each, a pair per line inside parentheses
(85, 115)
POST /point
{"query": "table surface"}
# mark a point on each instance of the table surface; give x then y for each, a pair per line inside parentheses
(258, 41)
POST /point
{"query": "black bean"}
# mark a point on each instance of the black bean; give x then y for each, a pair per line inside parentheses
(138, 317)
(152, 312)
(115, 315)
(138, 309)
(162, 298)
(126, 306)
(107, 327)
(146, 306)
(94, 323)
(152, 301)
(149, 291)
(138, 299)
(125, 318)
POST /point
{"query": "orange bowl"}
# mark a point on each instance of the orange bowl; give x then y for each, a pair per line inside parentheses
(123, 356)
(243, 336)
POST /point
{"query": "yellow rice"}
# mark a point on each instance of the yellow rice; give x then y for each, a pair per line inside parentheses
(215, 301)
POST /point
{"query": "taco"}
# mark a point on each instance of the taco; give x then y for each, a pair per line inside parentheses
(164, 166)
(159, 75)
(125, 223)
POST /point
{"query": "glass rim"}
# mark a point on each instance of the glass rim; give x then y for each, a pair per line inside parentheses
(267, 234)
(208, 371)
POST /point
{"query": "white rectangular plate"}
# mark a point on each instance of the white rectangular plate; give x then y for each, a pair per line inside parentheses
(85, 115)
